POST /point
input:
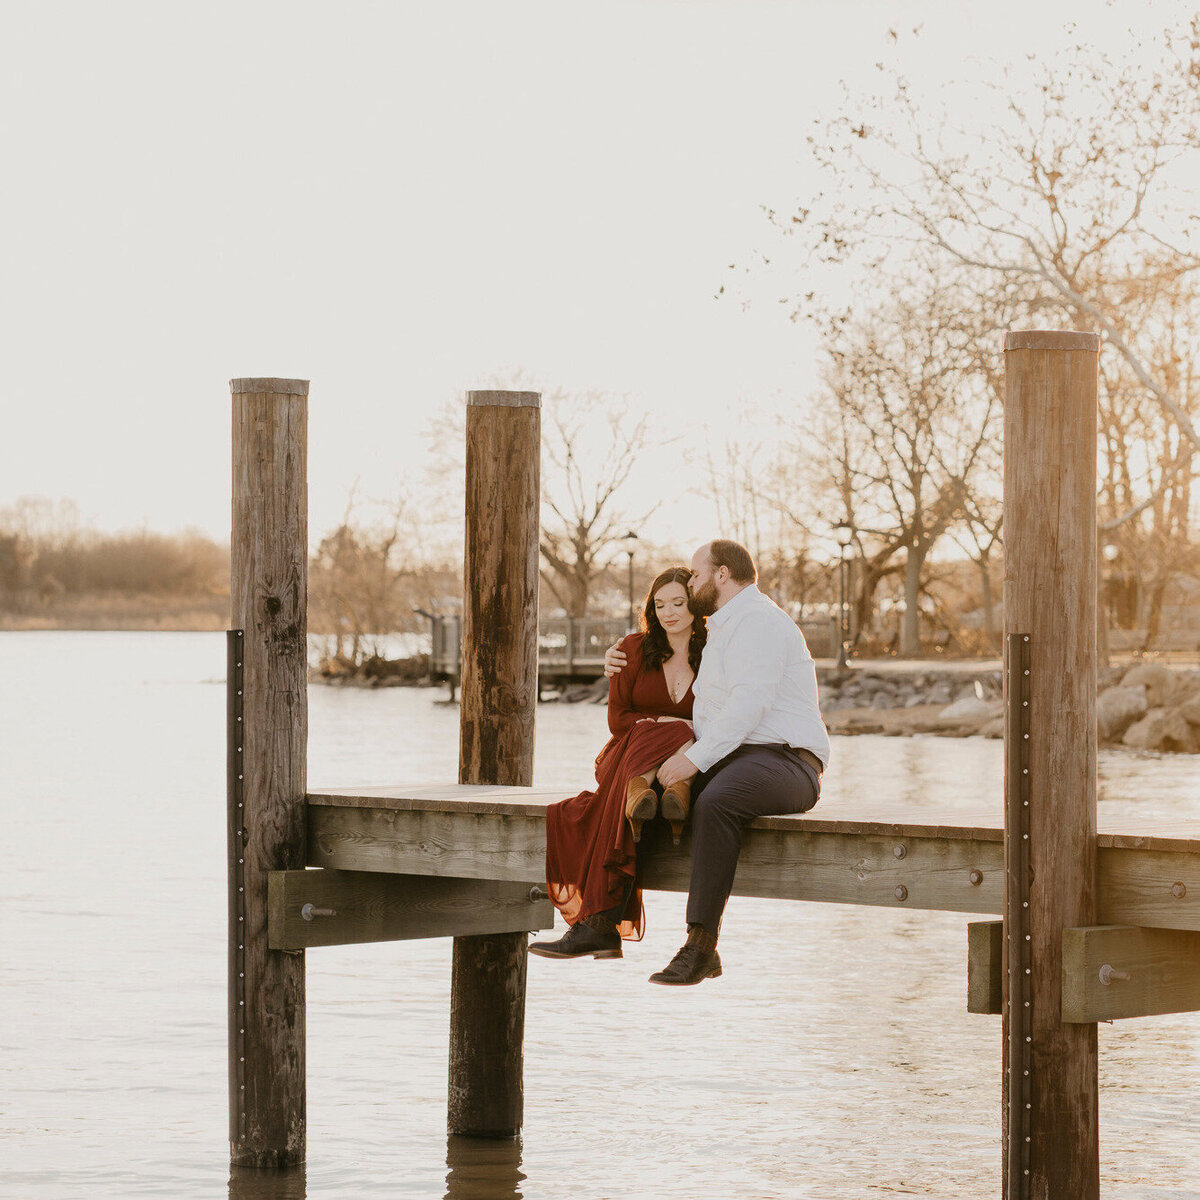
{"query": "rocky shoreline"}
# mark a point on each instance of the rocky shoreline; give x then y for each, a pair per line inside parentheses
(1146, 706)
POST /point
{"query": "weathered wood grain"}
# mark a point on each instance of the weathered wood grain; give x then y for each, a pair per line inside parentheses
(1050, 595)
(487, 1035)
(497, 711)
(269, 602)
(500, 588)
(1157, 886)
(790, 858)
(847, 813)
(985, 967)
(1149, 971)
(361, 906)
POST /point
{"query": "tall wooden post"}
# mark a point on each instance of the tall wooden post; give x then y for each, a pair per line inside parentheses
(499, 699)
(1051, 1079)
(267, 764)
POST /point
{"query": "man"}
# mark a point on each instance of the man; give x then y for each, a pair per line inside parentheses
(761, 745)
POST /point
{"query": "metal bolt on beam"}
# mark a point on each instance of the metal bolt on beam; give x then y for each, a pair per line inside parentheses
(1109, 973)
(310, 911)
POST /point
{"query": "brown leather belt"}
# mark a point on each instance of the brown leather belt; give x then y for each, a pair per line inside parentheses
(807, 756)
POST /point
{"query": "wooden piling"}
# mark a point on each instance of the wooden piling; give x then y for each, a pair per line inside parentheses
(498, 703)
(1051, 1082)
(267, 794)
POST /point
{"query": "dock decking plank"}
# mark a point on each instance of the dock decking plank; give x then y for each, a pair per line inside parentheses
(474, 832)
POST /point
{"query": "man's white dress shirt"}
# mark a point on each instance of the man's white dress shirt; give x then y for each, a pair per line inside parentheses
(757, 683)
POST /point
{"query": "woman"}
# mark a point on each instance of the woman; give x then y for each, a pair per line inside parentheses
(591, 860)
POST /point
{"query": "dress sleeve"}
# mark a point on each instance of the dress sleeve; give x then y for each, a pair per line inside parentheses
(622, 716)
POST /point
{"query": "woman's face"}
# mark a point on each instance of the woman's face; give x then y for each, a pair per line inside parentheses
(671, 607)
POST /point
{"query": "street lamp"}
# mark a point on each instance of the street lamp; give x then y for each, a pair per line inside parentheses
(630, 540)
(844, 532)
(1109, 555)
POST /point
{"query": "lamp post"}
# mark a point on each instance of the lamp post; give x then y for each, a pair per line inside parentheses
(1108, 556)
(843, 531)
(630, 540)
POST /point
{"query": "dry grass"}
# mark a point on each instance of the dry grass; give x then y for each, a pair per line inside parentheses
(117, 611)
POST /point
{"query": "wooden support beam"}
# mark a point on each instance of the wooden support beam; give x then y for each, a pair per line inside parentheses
(1148, 884)
(933, 868)
(500, 833)
(497, 712)
(269, 575)
(985, 967)
(361, 906)
(1113, 971)
(1052, 1086)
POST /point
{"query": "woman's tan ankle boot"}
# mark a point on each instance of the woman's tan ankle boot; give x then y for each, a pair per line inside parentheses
(676, 803)
(641, 804)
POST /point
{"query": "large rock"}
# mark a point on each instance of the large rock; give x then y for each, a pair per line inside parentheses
(1117, 709)
(1189, 710)
(1162, 729)
(1155, 678)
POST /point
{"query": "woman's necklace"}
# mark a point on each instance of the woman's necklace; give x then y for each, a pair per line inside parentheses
(683, 684)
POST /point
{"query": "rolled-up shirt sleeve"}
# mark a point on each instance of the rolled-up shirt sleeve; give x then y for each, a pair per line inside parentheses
(760, 669)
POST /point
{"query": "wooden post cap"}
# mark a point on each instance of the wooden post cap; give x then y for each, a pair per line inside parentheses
(506, 399)
(1051, 339)
(282, 387)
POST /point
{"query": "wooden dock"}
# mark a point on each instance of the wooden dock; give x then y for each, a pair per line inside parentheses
(571, 649)
(499, 834)
(1094, 924)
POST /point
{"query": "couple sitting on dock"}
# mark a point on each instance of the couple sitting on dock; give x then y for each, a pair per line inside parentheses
(718, 718)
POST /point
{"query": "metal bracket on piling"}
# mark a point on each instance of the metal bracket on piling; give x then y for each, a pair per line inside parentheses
(236, 826)
(1020, 952)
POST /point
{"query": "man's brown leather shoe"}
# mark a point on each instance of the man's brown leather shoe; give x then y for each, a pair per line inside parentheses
(690, 965)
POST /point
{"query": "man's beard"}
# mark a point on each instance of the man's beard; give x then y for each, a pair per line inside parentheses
(704, 600)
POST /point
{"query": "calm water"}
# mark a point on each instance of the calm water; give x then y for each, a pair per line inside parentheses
(835, 1058)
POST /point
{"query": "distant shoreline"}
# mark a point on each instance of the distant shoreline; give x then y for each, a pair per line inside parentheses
(124, 614)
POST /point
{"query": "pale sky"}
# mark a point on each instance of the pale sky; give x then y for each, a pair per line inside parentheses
(398, 201)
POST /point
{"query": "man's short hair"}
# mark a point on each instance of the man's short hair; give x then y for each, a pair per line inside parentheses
(736, 557)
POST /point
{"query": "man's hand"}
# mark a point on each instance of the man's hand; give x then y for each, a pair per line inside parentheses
(677, 767)
(614, 660)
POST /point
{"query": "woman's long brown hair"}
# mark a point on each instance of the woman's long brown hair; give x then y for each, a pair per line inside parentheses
(656, 649)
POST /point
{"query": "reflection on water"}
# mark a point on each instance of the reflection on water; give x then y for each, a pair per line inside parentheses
(476, 1169)
(246, 1183)
(483, 1169)
(833, 1060)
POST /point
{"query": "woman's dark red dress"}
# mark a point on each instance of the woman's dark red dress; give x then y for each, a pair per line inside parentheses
(590, 852)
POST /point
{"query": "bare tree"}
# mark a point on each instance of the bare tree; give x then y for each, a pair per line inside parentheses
(734, 483)
(1078, 186)
(370, 575)
(914, 432)
(594, 446)
(1146, 486)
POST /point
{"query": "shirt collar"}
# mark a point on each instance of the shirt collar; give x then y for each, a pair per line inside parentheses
(732, 607)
